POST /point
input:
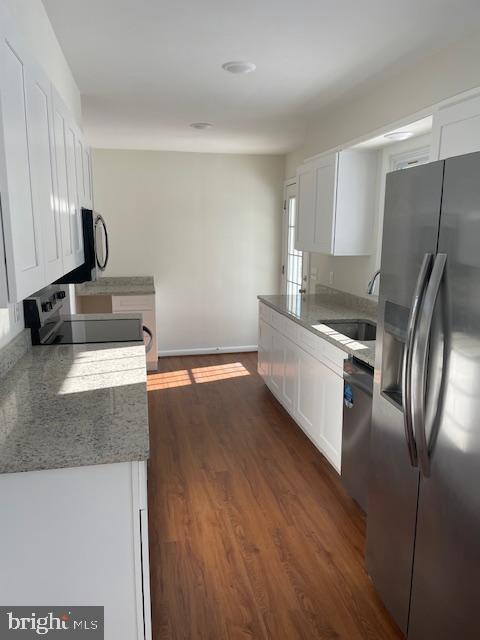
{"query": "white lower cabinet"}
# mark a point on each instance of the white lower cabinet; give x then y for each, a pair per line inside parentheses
(305, 375)
(79, 536)
(307, 408)
(146, 306)
(264, 349)
(290, 374)
(277, 362)
(331, 416)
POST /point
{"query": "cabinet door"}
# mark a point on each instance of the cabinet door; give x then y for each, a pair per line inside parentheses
(80, 159)
(88, 177)
(289, 375)
(66, 169)
(91, 546)
(277, 362)
(305, 227)
(41, 143)
(308, 393)
(264, 349)
(316, 186)
(331, 421)
(84, 183)
(21, 218)
(73, 182)
(325, 190)
(456, 129)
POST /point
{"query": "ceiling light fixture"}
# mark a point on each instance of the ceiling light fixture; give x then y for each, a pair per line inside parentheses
(201, 125)
(398, 135)
(239, 66)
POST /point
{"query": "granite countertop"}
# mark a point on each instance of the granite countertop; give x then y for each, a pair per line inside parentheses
(117, 286)
(74, 405)
(330, 304)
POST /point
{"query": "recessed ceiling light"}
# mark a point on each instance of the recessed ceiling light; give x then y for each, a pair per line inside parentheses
(239, 66)
(398, 135)
(201, 125)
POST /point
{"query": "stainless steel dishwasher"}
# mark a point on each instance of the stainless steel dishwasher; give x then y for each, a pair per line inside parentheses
(357, 419)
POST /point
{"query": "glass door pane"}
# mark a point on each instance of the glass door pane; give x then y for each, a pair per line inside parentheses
(294, 258)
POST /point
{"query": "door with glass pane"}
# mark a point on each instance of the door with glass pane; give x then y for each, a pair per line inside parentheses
(295, 263)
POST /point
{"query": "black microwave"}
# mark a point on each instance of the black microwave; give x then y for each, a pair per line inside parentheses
(95, 246)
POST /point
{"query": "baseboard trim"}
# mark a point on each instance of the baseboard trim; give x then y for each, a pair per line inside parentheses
(207, 351)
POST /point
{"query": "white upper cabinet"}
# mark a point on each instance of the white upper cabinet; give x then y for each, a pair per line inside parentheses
(68, 179)
(336, 204)
(84, 182)
(88, 177)
(42, 168)
(21, 213)
(305, 227)
(45, 174)
(456, 129)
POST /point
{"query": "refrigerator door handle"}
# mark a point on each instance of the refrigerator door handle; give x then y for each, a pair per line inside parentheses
(420, 363)
(418, 295)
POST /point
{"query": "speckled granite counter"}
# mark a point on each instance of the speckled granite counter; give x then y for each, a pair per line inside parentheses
(117, 286)
(329, 304)
(74, 405)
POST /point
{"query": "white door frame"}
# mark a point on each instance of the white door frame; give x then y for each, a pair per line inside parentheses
(289, 189)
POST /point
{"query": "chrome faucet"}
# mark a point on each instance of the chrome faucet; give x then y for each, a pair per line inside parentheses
(371, 284)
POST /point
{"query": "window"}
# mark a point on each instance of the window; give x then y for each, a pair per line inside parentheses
(295, 262)
(409, 158)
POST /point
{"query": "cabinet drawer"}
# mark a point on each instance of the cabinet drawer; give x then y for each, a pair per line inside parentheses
(332, 356)
(265, 313)
(308, 341)
(134, 303)
(290, 329)
(278, 321)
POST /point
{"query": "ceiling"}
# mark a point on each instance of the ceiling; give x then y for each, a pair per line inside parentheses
(148, 68)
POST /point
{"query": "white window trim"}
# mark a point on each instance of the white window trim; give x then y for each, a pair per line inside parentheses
(291, 182)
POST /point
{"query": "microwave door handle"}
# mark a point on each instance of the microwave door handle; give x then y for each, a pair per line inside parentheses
(420, 365)
(100, 220)
(418, 295)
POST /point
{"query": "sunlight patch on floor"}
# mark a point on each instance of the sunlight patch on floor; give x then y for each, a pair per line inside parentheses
(169, 380)
(219, 372)
(198, 375)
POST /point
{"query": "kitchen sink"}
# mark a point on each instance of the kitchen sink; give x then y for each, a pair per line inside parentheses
(362, 330)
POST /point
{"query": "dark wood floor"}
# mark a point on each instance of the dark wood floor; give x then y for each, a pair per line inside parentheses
(251, 532)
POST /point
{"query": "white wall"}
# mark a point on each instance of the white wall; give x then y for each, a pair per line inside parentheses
(375, 105)
(206, 226)
(33, 23)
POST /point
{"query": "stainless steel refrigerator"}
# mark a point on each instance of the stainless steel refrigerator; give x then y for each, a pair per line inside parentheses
(423, 527)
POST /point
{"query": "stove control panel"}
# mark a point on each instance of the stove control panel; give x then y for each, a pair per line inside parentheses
(43, 305)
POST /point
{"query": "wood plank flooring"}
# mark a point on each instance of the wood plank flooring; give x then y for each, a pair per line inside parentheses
(251, 532)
